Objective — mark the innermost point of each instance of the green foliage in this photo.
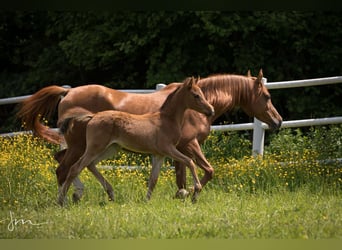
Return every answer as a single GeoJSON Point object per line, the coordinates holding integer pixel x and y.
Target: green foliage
{"type": "Point", "coordinates": [134, 49]}
{"type": "Point", "coordinates": [226, 145]}
{"type": "Point", "coordinates": [325, 141]}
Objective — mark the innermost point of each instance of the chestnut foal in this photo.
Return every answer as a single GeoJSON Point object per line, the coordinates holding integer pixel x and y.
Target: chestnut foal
{"type": "Point", "coordinates": [156, 133]}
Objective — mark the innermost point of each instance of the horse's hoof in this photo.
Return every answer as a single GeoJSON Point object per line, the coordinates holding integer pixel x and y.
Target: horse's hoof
{"type": "Point", "coordinates": [182, 194]}
{"type": "Point", "coordinates": [75, 198]}
{"type": "Point", "coordinates": [110, 196]}
{"type": "Point", "coordinates": [194, 199]}
{"type": "Point", "coordinates": [61, 201]}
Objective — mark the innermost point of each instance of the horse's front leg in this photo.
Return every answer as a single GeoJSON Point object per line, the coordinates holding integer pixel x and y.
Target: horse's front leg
{"type": "Point", "coordinates": [180, 169]}
{"type": "Point", "coordinates": [157, 161]}
{"type": "Point", "coordinates": [178, 156]}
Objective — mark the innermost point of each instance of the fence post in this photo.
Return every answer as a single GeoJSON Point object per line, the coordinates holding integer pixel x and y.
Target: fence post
{"type": "Point", "coordinates": [258, 134]}
{"type": "Point", "coordinates": [160, 86]}
{"type": "Point", "coordinates": [258, 138]}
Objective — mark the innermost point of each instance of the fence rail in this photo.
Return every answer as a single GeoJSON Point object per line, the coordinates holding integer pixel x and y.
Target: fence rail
{"type": "Point", "coordinates": [257, 126]}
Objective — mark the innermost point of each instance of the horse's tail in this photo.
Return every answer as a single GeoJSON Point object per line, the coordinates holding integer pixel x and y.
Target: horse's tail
{"type": "Point", "coordinates": [41, 105]}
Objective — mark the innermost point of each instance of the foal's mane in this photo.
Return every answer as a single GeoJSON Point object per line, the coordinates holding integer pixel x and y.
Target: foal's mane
{"type": "Point", "coordinates": [169, 97]}
{"type": "Point", "coordinates": [218, 88]}
{"type": "Point", "coordinates": [172, 94]}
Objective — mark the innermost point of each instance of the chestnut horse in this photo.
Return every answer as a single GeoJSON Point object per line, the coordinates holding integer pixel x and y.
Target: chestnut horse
{"type": "Point", "coordinates": [224, 92]}
{"type": "Point", "coordinates": [157, 133]}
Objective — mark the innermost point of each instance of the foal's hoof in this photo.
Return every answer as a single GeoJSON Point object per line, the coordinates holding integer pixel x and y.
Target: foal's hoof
{"type": "Point", "coordinates": [182, 194]}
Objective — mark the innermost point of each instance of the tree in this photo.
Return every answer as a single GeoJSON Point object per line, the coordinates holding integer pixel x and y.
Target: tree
{"type": "Point", "coordinates": [132, 49]}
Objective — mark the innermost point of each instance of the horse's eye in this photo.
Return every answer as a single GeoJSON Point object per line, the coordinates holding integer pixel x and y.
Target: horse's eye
{"type": "Point", "coordinates": [196, 96]}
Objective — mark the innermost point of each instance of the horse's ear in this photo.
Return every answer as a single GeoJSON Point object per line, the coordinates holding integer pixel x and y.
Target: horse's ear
{"type": "Point", "coordinates": [259, 78]}
{"type": "Point", "coordinates": [249, 73]}
{"type": "Point", "coordinates": [189, 81]}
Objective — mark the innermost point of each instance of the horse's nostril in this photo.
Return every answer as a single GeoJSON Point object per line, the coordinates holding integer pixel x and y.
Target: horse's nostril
{"type": "Point", "coordinates": [211, 112]}
{"type": "Point", "coordinates": [279, 124]}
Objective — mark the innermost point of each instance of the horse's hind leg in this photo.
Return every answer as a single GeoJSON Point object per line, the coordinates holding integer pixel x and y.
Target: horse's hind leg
{"type": "Point", "coordinates": [157, 161]}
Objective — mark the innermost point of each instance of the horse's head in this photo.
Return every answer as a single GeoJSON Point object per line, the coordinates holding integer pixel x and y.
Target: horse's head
{"type": "Point", "coordinates": [196, 99]}
{"type": "Point", "coordinates": [261, 105]}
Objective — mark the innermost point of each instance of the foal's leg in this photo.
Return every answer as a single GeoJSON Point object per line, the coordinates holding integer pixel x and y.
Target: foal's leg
{"type": "Point", "coordinates": [71, 155]}
{"type": "Point", "coordinates": [110, 151]}
{"type": "Point", "coordinates": [75, 170]}
{"type": "Point", "coordinates": [79, 186]}
{"type": "Point", "coordinates": [67, 157]}
{"type": "Point", "coordinates": [201, 161]}
{"type": "Point", "coordinates": [73, 173]}
{"type": "Point", "coordinates": [178, 156]}
{"type": "Point", "coordinates": [157, 161]}
{"type": "Point", "coordinates": [75, 140]}
{"type": "Point", "coordinates": [193, 150]}
{"type": "Point", "coordinates": [105, 184]}
{"type": "Point", "coordinates": [66, 160]}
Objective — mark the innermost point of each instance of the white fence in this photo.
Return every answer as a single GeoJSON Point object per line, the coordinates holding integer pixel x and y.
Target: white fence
{"type": "Point", "coordinates": [257, 126]}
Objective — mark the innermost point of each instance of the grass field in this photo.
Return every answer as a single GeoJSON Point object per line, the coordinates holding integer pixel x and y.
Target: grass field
{"type": "Point", "coordinates": [249, 198]}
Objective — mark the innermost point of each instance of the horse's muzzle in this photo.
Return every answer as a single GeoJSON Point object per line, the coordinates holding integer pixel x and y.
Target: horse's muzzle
{"type": "Point", "coordinates": [211, 112]}
{"type": "Point", "coordinates": [276, 125]}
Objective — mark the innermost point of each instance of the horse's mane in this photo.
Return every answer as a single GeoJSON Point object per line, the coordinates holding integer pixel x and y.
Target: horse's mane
{"type": "Point", "coordinates": [218, 87]}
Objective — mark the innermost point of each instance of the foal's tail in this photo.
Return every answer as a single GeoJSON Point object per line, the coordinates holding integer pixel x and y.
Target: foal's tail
{"type": "Point", "coordinates": [41, 105]}
{"type": "Point", "coordinates": [68, 123]}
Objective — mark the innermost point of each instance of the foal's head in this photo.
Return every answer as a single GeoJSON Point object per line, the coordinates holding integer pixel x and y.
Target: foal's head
{"type": "Point", "coordinates": [260, 105]}
{"type": "Point", "coordinates": [195, 98]}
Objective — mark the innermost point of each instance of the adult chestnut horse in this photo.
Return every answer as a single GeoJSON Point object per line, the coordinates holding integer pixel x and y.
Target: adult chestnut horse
{"type": "Point", "coordinates": [156, 133]}
{"type": "Point", "coordinates": [224, 92]}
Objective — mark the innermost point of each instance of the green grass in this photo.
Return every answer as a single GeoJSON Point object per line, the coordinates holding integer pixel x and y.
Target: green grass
{"type": "Point", "coordinates": [249, 198]}
{"type": "Point", "coordinates": [218, 215]}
